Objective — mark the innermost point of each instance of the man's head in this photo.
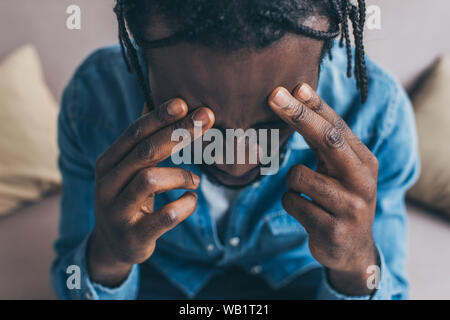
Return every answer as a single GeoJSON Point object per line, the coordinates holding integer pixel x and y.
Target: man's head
{"type": "Point", "coordinates": [230, 55]}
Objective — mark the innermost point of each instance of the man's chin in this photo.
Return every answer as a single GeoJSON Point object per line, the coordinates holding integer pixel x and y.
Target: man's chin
{"type": "Point", "coordinates": [235, 182]}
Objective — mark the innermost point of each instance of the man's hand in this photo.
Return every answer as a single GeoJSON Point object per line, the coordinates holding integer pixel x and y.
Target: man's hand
{"type": "Point", "coordinates": [343, 190]}
{"type": "Point", "coordinates": [126, 181]}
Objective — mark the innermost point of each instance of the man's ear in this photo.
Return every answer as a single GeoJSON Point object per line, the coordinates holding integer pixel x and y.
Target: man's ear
{"type": "Point", "coordinates": [145, 109]}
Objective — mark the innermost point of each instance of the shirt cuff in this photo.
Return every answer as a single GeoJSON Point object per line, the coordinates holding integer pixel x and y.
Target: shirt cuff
{"type": "Point", "coordinates": [384, 290]}
{"type": "Point", "coordinates": [90, 290]}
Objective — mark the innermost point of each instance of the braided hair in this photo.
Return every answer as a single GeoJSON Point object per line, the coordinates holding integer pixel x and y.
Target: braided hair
{"type": "Point", "coordinates": [234, 24]}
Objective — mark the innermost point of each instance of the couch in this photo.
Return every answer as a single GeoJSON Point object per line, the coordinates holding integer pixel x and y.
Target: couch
{"type": "Point", "coordinates": [412, 36]}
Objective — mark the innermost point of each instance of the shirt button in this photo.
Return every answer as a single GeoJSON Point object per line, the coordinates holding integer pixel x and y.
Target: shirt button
{"type": "Point", "coordinates": [256, 184]}
{"type": "Point", "coordinates": [256, 269]}
{"type": "Point", "coordinates": [235, 241]}
{"type": "Point", "coordinates": [210, 247]}
{"type": "Point", "coordinates": [88, 295]}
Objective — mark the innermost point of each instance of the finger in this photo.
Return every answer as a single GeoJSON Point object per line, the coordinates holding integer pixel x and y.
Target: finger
{"type": "Point", "coordinates": [158, 147]}
{"type": "Point", "coordinates": [315, 129]}
{"type": "Point", "coordinates": [151, 181]}
{"type": "Point", "coordinates": [313, 101]}
{"type": "Point", "coordinates": [326, 192]}
{"type": "Point", "coordinates": [164, 115]}
{"type": "Point", "coordinates": [152, 226]}
{"type": "Point", "coordinates": [145, 109]}
{"type": "Point", "coordinates": [312, 218]}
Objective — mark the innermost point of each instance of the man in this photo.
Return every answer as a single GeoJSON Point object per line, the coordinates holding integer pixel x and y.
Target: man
{"type": "Point", "coordinates": [329, 224]}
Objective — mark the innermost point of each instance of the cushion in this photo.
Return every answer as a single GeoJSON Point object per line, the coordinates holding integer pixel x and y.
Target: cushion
{"type": "Point", "coordinates": [432, 107]}
{"type": "Point", "coordinates": [28, 126]}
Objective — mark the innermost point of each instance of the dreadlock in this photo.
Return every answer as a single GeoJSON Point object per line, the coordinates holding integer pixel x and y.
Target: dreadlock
{"type": "Point", "coordinates": [233, 24]}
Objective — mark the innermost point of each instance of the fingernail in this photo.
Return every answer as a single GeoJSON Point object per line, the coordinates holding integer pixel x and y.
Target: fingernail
{"type": "Point", "coordinates": [191, 193]}
{"type": "Point", "coordinates": [305, 93]}
{"type": "Point", "coordinates": [195, 179]}
{"type": "Point", "coordinates": [282, 98]}
{"type": "Point", "coordinates": [174, 108]}
{"type": "Point", "coordinates": [200, 118]}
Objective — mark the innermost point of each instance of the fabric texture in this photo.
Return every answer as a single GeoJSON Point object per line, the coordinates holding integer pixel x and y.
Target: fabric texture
{"type": "Point", "coordinates": [260, 237]}
{"type": "Point", "coordinates": [432, 108]}
{"type": "Point", "coordinates": [219, 199]}
{"type": "Point", "coordinates": [28, 119]}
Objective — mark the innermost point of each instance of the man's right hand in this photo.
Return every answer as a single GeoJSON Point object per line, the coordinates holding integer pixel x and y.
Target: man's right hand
{"type": "Point", "coordinates": [126, 182]}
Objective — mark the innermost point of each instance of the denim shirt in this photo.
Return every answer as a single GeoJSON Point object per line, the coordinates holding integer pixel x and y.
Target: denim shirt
{"type": "Point", "coordinates": [103, 99]}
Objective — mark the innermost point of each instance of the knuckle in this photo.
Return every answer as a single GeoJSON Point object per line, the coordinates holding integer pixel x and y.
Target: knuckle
{"type": "Point", "coordinates": [373, 162]}
{"type": "Point", "coordinates": [322, 187]}
{"type": "Point", "coordinates": [334, 138]}
{"type": "Point", "coordinates": [147, 179]}
{"type": "Point", "coordinates": [295, 175]}
{"type": "Point", "coordinates": [146, 150]}
{"type": "Point", "coordinates": [368, 188]}
{"type": "Point", "coordinates": [340, 124]}
{"type": "Point", "coordinates": [168, 218]}
{"type": "Point", "coordinates": [356, 206]}
{"type": "Point", "coordinates": [317, 104]}
{"type": "Point", "coordinates": [135, 132]}
{"type": "Point", "coordinates": [298, 111]}
{"type": "Point", "coordinates": [372, 186]}
{"type": "Point", "coordinates": [187, 178]}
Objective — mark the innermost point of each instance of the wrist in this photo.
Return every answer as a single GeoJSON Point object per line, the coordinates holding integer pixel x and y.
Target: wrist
{"type": "Point", "coordinates": [353, 280]}
{"type": "Point", "coordinates": [103, 267]}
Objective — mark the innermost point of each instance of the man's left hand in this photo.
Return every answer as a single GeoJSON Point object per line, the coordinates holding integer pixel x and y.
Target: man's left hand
{"type": "Point", "coordinates": [342, 192]}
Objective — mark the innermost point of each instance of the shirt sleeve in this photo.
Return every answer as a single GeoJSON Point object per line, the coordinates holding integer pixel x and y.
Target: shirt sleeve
{"type": "Point", "coordinates": [70, 277]}
{"type": "Point", "coordinates": [383, 291]}
{"type": "Point", "coordinates": [399, 167]}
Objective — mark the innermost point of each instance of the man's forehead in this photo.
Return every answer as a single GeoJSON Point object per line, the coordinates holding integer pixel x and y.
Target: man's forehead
{"type": "Point", "coordinates": [242, 74]}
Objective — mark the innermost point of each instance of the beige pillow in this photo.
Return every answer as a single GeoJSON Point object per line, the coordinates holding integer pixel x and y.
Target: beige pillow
{"type": "Point", "coordinates": [28, 126]}
{"type": "Point", "coordinates": [432, 108]}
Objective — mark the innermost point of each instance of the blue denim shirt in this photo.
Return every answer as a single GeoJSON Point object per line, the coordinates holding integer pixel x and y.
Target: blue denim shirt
{"type": "Point", "coordinates": [103, 99]}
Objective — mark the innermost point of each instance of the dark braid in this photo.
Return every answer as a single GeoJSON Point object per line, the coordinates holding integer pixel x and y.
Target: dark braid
{"type": "Point", "coordinates": [260, 23]}
{"type": "Point", "coordinates": [361, 61]}
{"type": "Point", "coordinates": [130, 54]}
